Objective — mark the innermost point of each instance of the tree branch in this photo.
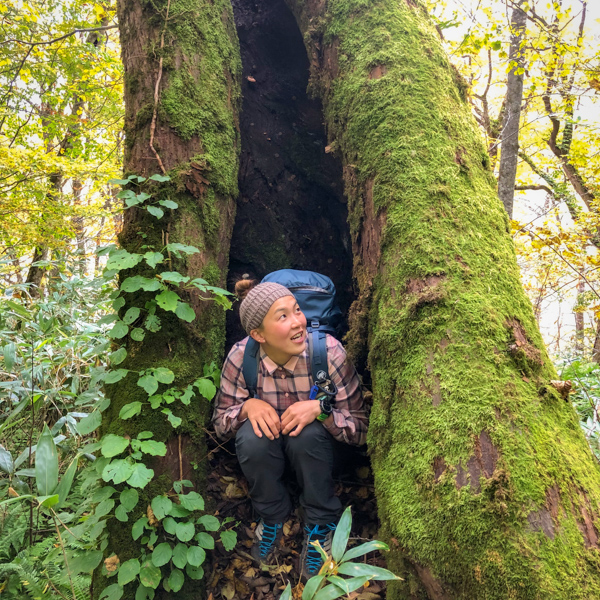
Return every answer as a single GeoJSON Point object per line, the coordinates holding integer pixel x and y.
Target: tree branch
{"type": "Point", "coordinates": [58, 39]}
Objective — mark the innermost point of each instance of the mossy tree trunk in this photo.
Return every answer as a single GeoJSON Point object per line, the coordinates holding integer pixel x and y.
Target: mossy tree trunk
{"type": "Point", "coordinates": [485, 484]}
{"type": "Point", "coordinates": [196, 137]}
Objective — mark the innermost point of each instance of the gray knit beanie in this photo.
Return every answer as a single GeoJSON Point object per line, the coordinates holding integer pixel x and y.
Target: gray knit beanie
{"type": "Point", "coordinates": [258, 301]}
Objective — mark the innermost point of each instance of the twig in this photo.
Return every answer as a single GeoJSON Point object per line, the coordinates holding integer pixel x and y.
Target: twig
{"type": "Point", "coordinates": [64, 554]}
{"type": "Point", "coordinates": [58, 39]}
{"type": "Point", "coordinates": [29, 444]}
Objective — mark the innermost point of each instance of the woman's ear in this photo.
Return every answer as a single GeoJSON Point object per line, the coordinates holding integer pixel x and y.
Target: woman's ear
{"type": "Point", "coordinates": [256, 335]}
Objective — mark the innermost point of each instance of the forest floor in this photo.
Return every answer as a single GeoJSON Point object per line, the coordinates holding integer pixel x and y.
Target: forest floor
{"type": "Point", "coordinates": [234, 575]}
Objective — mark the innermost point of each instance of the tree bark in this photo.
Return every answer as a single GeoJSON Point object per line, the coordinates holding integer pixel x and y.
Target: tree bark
{"type": "Point", "coordinates": [485, 483]}
{"type": "Point", "coordinates": [512, 115]}
{"type": "Point", "coordinates": [195, 138]}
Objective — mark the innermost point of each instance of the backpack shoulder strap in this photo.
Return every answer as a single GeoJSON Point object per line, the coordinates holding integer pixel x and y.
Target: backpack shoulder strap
{"type": "Point", "coordinates": [250, 366]}
{"type": "Point", "coordinates": [317, 351]}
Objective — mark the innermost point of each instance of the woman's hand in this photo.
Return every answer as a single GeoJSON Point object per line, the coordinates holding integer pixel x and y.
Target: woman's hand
{"type": "Point", "coordinates": [262, 416]}
{"type": "Point", "coordinates": [298, 416]}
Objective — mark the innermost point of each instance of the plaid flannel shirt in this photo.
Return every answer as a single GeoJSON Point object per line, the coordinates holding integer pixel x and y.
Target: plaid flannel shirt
{"type": "Point", "coordinates": [282, 386]}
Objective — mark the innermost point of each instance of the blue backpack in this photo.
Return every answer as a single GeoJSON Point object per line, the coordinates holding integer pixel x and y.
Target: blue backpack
{"type": "Point", "coordinates": [315, 294]}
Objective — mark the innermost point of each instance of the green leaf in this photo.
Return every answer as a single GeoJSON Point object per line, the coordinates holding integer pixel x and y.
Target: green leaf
{"type": "Point", "coordinates": [195, 556]}
{"type": "Point", "coordinates": [150, 575]}
{"type": "Point", "coordinates": [145, 435]}
{"type": "Point", "coordinates": [168, 204]}
{"type": "Point", "coordinates": [173, 277]}
{"type": "Point", "coordinates": [136, 199]}
{"type": "Point", "coordinates": [121, 259]}
{"type": "Point", "coordinates": [128, 571]}
{"type": "Point", "coordinates": [144, 593]}
{"type": "Point", "coordinates": [48, 501]}
{"type": "Point", "coordinates": [10, 352]}
{"type": "Point", "coordinates": [206, 388]}
{"type": "Point", "coordinates": [148, 383]}
{"type": "Point", "coordinates": [229, 539]}
{"type": "Point", "coordinates": [118, 356]}
{"type": "Point", "coordinates": [155, 211]}
{"type": "Point", "coordinates": [167, 300]}
{"type": "Point", "coordinates": [161, 506]}
{"type": "Point", "coordinates": [170, 525]}
{"type": "Point", "coordinates": [138, 527]}
{"type": "Point", "coordinates": [115, 376]}
{"type": "Point", "coordinates": [117, 471]}
{"type": "Point", "coordinates": [174, 420]}
{"type": "Point", "coordinates": [287, 593]}
{"type": "Point", "coordinates": [187, 395]}
{"type": "Point", "coordinates": [159, 177]}
{"type": "Point", "coordinates": [162, 554]}
{"type": "Point", "coordinates": [177, 249]}
{"type": "Point", "coordinates": [195, 573]}
{"type": "Point", "coordinates": [117, 304]}
{"type": "Point", "coordinates": [341, 535]}
{"type": "Point", "coordinates": [46, 463]}
{"type": "Point", "coordinates": [176, 580]}
{"type": "Point", "coordinates": [311, 587]}
{"type": "Point", "coordinates": [185, 312]}
{"type": "Point", "coordinates": [66, 481]}
{"type": "Point", "coordinates": [362, 569]}
{"type": "Point", "coordinates": [113, 444]}
{"type": "Point", "coordinates": [185, 531]}
{"type": "Point", "coordinates": [364, 549]}
{"type": "Point", "coordinates": [123, 194]}
{"type": "Point", "coordinates": [205, 540]}
{"type": "Point", "coordinates": [121, 514]}
{"type": "Point", "coordinates": [137, 334]}
{"type": "Point", "coordinates": [129, 499]}
{"type": "Point", "coordinates": [141, 476]}
{"type": "Point", "coordinates": [209, 522]}
{"type": "Point", "coordinates": [180, 555]}
{"type": "Point", "coordinates": [192, 501]}
{"type": "Point", "coordinates": [130, 410]}
{"type": "Point", "coordinates": [119, 181]}
{"type": "Point", "coordinates": [6, 461]}
{"type": "Point", "coordinates": [85, 562]}
{"type": "Point", "coordinates": [152, 323]}
{"type": "Point", "coordinates": [119, 330]}
{"type": "Point", "coordinates": [137, 282]}
{"type": "Point", "coordinates": [329, 592]}
{"type": "Point", "coordinates": [131, 315]}
{"type": "Point", "coordinates": [153, 258]}
{"type": "Point", "coordinates": [104, 508]}
{"type": "Point", "coordinates": [348, 585]}
{"type": "Point", "coordinates": [112, 592]}
{"type": "Point", "coordinates": [153, 448]}
{"type": "Point", "coordinates": [164, 375]}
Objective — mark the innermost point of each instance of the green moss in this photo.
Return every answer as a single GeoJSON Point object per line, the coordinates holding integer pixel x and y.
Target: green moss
{"type": "Point", "coordinates": [447, 305]}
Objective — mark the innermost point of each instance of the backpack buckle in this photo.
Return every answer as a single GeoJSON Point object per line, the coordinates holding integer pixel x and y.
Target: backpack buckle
{"type": "Point", "coordinates": [314, 324]}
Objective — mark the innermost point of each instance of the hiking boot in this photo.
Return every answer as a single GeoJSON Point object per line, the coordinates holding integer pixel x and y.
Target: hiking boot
{"type": "Point", "coordinates": [266, 541]}
{"type": "Point", "coordinates": [311, 560]}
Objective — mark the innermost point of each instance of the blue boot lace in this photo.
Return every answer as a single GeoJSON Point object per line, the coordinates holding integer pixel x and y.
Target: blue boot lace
{"type": "Point", "coordinates": [269, 535]}
{"type": "Point", "coordinates": [318, 533]}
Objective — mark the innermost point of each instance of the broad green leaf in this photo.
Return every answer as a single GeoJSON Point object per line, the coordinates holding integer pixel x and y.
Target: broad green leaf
{"type": "Point", "coordinates": [150, 575]}
{"type": "Point", "coordinates": [85, 562]}
{"type": "Point", "coordinates": [362, 569]}
{"type": "Point", "coordinates": [119, 330]}
{"type": "Point", "coordinates": [121, 259]}
{"type": "Point", "coordinates": [144, 593]}
{"type": "Point", "coordinates": [185, 531]}
{"type": "Point", "coordinates": [48, 501]}
{"type": "Point", "coordinates": [121, 514]}
{"type": "Point", "coordinates": [136, 199]}
{"type": "Point", "coordinates": [117, 304]}
{"type": "Point", "coordinates": [152, 323]}
{"type": "Point", "coordinates": [287, 593]}
{"type": "Point", "coordinates": [137, 282]}
{"type": "Point", "coordinates": [160, 178]}
{"type": "Point", "coordinates": [177, 249]}
{"type": "Point", "coordinates": [20, 310]}
{"type": "Point", "coordinates": [46, 463]}
{"type": "Point", "coordinates": [138, 527]}
{"type": "Point", "coordinates": [153, 258]}
{"type": "Point", "coordinates": [90, 423]}
{"type": "Point", "coordinates": [195, 573]}
{"type": "Point", "coordinates": [129, 499]}
{"type": "Point", "coordinates": [130, 410]}
{"type": "Point", "coordinates": [137, 334]}
{"type": "Point", "coordinates": [210, 522]}
{"type": "Point", "coordinates": [113, 444]}
{"type": "Point", "coordinates": [148, 383]}
{"type": "Point", "coordinates": [164, 375]}
{"type": "Point", "coordinates": [161, 506]}
{"type": "Point", "coordinates": [123, 194]}
{"type": "Point", "coordinates": [341, 535]}
{"type": "Point", "coordinates": [173, 277]}
{"type": "Point", "coordinates": [329, 592]}
{"type": "Point", "coordinates": [206, 387]}
{"type": "Point", "coordinates": [6, 461]}
{"type": "Point", "coordinates": [348, 585]}
{"type": "Point", "coordinates": [229, 539]}
{"type": "Point", "coordinates": [187, 396]}
{"type": "Point", "coordinates": [185, 312]}
{"type": "Point", "coordinates": [66, 481]}
{"type": "Point", "coordinates": [155, 211]}
{"type": "Point", "coordinates": [104, 508]}
{"type": "Point", "coordinates": [131, 315]}
{"type": "Point", "coordinates": [141, 476]}
{"type": "Point", "coordinates": [118, 181]}
{"type": "Point", "coordinates": [176, 580]}
{"type": "Point", "coordinates": [115, 376]}
{"type": "Point", "coordinates": [167, 300]}
{"type": "Point", "coordinates": [128, 571]}
{"type": "Point", "coordinates": [179, 512]}
{"type": "Point", "coordinates": [195, 556]}
{"type": "Point", "coordinates": [174, 420]}
{"type": "Point", "coordinates": [104, 493]}
{"type": "Point", "coordinates": [118, 356]}
{"type": "Point", "coordinates": [192, 501]}
{"type": "Point", "coordinates": [112, 592]}
{"type": "Point", "coordinates": [168, 204]}
{"type": "Point", "coordinates": [311, 587]}
{"type": "Point", "coordinates": [153, 448]}
{"type": "Point", "coordinates": [10, 352]}
{"type": "Point", "coordinates": [170, 525]}
{"type": "Point", "coordinates": [117, 471]}
{"type": "Point", "coordinates": [205, 540]}
{"type": "Point", "coordinates": [180, 555]}
{"type": "Point", "coordinates": [364, 549]}
{"type": "Point", "coordinates": [162, 554]}
{"type": "Point", "coordinates": [145, 435]}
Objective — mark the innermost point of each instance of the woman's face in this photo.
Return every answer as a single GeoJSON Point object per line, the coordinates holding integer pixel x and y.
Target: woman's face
{"type": "Point", "coordinates": [282, 333]}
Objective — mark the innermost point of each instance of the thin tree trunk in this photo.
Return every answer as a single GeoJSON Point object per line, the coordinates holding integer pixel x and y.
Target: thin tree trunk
{"type": "Point", "coordinates": [512, 114]}
{"type": "Point", "coordinates": [579, 323]}
{"type": "Point", "coordinates": [485, 484]}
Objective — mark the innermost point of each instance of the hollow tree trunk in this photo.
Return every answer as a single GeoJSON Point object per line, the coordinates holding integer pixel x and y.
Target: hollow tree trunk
{"type": "Point", "coordinates": [196, 139]}
{"type": "Point", "coordinates": [486, 486]}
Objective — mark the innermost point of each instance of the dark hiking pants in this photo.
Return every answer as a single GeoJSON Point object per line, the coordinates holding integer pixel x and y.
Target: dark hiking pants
{"type": "Point", "coordinates": [311, 455]}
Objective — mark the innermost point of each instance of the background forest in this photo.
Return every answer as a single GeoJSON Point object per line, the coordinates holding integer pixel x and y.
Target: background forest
{"type": "Point", "coordinates": [62, 207]}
